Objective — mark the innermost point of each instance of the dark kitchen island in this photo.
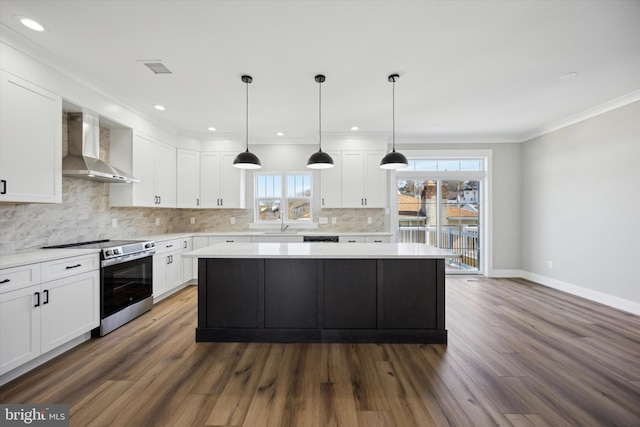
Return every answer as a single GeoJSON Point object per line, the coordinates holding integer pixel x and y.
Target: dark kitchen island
{"type": "Point", "coordinates": [318, 292]}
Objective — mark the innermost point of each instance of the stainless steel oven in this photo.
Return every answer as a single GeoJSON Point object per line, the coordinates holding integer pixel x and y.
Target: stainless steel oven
{"type": "Point", "coordinates": [126, 280]}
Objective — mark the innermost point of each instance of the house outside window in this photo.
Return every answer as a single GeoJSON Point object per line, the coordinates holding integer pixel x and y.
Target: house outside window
{"type": "Point", "coordinates": [283, 197]}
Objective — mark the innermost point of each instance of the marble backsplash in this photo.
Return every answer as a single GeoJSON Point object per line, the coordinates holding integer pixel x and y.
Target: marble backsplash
{"type": "Point", "coordinates": [85, 214]}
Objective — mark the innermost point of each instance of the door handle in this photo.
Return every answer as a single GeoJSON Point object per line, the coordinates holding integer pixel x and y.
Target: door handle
{"type": "Point", "coordinates": [46, 297]}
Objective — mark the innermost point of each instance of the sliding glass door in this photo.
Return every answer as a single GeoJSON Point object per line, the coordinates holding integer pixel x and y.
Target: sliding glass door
{"type": "Point", "coordinates": [444, 213]}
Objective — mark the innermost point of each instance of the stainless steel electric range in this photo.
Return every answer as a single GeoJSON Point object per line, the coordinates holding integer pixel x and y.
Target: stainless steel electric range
{"type": "Point", "coordinates": [126, 280]}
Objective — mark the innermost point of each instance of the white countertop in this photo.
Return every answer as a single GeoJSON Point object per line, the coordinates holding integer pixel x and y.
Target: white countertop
{"type": "Point", "coordinates": [163, 237]}
{"type": "Point", "coordinates": [320, 250]}
{"type": "Point", "coordinates": [41, 255]}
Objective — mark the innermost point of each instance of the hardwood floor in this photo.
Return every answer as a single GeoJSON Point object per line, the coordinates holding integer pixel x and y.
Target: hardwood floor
{"type": "Point", "coordinates": [519, 354]}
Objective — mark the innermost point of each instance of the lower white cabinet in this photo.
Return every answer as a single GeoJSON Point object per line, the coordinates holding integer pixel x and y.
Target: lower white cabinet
{"type": "Point", "coordinates": [38, 317]}
{"type": "Point", "coordinates": [187, 263]}
{"type": "Point", "coordinates": [167, 267]}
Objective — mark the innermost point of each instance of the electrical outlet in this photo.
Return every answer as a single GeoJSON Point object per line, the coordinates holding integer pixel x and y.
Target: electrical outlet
{"type": "Point", "coordinates": [193, 220]}
{"type": "Point", "coordinates": [550, 264]}
{"type": "Point", "coordinates": [369, 220]}
{"type": "Point", "coordinates": [232, 220]}
{"type": "Point", "coordinates": [157, 221]}
{"type": "Point", "coordinates": [334, 220]}
{"type": "Point", "coordinates": [323, 220]}
{"type": "Point", "coordinates": [114, 223]}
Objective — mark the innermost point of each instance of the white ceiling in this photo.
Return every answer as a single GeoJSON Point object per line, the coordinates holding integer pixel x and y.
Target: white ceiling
{"type": "Point", "coordinates": [469, 70]}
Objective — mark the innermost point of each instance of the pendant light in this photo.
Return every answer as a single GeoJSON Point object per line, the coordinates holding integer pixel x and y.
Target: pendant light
{"type": "Point", "coordinates": [320, 159]}
{"type": "Point", "coordinates": [394, 160]}
{"type": "Point", "coordinates": [246, 159]}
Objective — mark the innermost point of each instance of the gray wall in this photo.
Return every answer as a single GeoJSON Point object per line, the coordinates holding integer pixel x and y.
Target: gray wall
{"type": "Point", "coordinates": [581, 205]}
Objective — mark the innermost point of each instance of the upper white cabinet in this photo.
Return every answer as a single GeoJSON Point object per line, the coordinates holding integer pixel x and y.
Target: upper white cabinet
{"type": "Point", "coordinates": [364, 183]}
{"type": "Point", "coordinates": [30, 142]}
{"type": "Point", "coordinates": [221, 185]}
{"type": "Point", "coordinates": [187, 178]}
{"type": "Point", "coordinates": [152, 162]}
{"type": "Point", "coordinates": [331, 184]}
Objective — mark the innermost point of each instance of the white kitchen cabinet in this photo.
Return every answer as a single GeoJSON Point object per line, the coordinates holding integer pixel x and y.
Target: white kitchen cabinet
{"type": "Point", "coordinates": [187, 263]}
{"type": "Point", "coordinates": [221, 185]}
{"type": "Point", "coordinates": [19, 327]}
{"type": "Point", "coordinates": [30, 142]}
{"type": "Point", "coordinates": [377, 239]}
{"type": "Point", "coordinates": [364, 183]}
{"type": "Point", "coordinates": [331, 184]}
{"type": "Point", "coordinates": [277, 239]}
{"type": "Point", "coordinates": [150, 161]}
{"type": "Point", "coordinates": [45, 305]}
{"type": "Point", "coordinates": [351, 239]}
{"type": "Point", "coordinates": [167, 268]}
{"type": "Point", "coordinates": [187, 178]}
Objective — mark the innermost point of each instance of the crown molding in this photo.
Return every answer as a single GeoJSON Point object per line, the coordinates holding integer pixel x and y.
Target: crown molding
{"type": "Point", "coordinates": [583, 115]}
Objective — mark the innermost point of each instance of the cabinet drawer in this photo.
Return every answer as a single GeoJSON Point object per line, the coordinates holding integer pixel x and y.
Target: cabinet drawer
{"type": "Point", "coordinates": [351, 239]}
{"type": "Point", "coordinates": [167, 246]}
{"type": "Point", "coordinates": [372, 239]}
{"type": "Point", "coordinates": [15, 278]}
{"type": "Point", "coordinates": [229, 239]}
{"type": "Point", "coordinates": [66, 267]}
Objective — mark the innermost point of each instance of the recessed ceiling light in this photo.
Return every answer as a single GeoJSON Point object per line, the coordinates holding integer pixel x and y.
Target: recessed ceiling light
{"type": "Point", "coordinates": [568, 76]}
{"type": "Point", "coordinates": [211, 128]}
{"type": "Point", "coordinates": [159, 107]}
{"type": "Point", "coordinates": [280, 134]}
{"type": "Point", "coordinates": [355, 128]}
{"type": "Point", "coordinates": [32, 24]}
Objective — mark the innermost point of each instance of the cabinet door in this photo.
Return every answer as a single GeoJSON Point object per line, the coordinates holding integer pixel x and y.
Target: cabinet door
{"type": "Point", "coordinates": [375, 183]}
{"type": "Point", "coordinates": [160, 274]}
{"type": "Point", "coordinates": [19, 327]}
{"type": "Point", "coordinates": [144, 192]}
{"type": "Point", "coordinates": [232, 183]}
{"type": "Point", "coordinates": [174, 270]}
{"type": "Point", "coordinates": [352, 179]}
{"type": "Point", "coordinates": [187, 263]}
{"type": "Point", "coordinates": [30, 142]}
{"type": "Point", "coordinates": [210, 179]}
{"type": "Point", "coordinates": [198, 242]}
{"type": "Point", "coordinates": [165, 174]}
{"type": "Point", "coordinates": [331, 184]}
{"type": "Point", "coordinates": [187, 179]}
{"type": "Point", "coordinates": [70, 307]}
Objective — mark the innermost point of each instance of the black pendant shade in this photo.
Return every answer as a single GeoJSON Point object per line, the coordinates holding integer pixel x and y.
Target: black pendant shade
{"type": "Point", "coordinates": [246, 159]}
{"type": "Point", "coordinates": [320, 159]}
{"type": "Point", "coordinates": [394, 160]}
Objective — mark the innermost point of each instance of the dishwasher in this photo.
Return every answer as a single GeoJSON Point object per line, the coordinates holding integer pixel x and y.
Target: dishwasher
{"type": "Point", "coordinates": [321, 239]}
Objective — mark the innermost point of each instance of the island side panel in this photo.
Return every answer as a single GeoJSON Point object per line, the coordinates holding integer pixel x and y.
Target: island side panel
{"type": "Point", "coordinates": [232, 293]}
{"type": "Point", "coordinates": [291, 293]}
{"type": "Point", "coordinates": [350, 300]}
{"type": "Point", "coordinates": [410, 293]}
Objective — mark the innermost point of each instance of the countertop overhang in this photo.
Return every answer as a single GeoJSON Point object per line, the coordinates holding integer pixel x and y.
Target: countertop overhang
{"type": "Point", "coordinates": [321, 251]}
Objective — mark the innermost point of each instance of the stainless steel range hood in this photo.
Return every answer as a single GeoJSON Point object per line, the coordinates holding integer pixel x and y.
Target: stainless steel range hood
{"type": "Point", "coordinates": [84, 152]}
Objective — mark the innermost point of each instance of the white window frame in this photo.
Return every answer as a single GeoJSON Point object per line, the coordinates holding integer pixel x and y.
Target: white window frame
{"type": "Point", "coordinates": [284, 199]}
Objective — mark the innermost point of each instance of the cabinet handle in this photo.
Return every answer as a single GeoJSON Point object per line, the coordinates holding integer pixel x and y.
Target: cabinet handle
{"type": "Point", "coordinates": [221, 202]}
{"type": "Point", "coordinates": [4, 186]}
{"type": "Point", "coordinates": [159, 200]}
{"type": "Point", "coordinates": [69, 267]}
{"type": "Point", "coordinates": [229, 241]}
{"type": "Point", "coordinates": [168, 259]}
{"type": "Point", "coordinates": [185, 244]}
{"type": "Point", "coordinates": [365, 201]}
{"type": "Point", "coordinates": [5, 281]}
{"type": "Point", "coordinates": [169, 246]}
{"type": "Point", "coordinates": [323, 201]}
{"type": "Point", "coordinates": [197, 202]}
{"type": "Point", "coordinates": [46, 297]}
{"type": "Point", "coordinates": [351, 241]}
{"type": "Point", "coordinates": [37, 294]}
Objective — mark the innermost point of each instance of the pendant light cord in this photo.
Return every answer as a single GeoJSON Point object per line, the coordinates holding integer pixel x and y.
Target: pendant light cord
{"type": "Point", "coordinates": [393, 113]}
{"type": "Point", "coordinates": [247, 124]}
{"type": "Point", "coordinates": [320, 116]}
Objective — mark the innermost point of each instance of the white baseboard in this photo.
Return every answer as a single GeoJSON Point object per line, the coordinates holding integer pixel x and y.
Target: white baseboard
{"type": "Point", "coordinates": [600, 297]}
{"type": "Point", "coordinates": [579, 291]}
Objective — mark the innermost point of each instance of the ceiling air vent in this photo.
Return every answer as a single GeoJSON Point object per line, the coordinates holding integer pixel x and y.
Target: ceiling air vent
{"type": "Point", "coordinates": [157, 67]}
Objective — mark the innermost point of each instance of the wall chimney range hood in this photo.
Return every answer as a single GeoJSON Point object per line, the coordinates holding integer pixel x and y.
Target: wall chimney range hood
{"type": "Point", "coordinates": [84, 151]}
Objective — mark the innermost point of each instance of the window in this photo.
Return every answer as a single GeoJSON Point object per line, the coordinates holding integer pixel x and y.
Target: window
{"type": "Point", "coordinates": [283, 197]}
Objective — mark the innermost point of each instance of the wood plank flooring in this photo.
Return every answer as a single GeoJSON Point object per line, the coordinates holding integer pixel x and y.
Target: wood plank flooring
{"type": "Point", "coordinates": [519, 354]}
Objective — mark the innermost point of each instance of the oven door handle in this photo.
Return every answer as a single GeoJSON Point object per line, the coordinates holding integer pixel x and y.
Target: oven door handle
{"type": "Point", "coordinates": [125, 258]}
